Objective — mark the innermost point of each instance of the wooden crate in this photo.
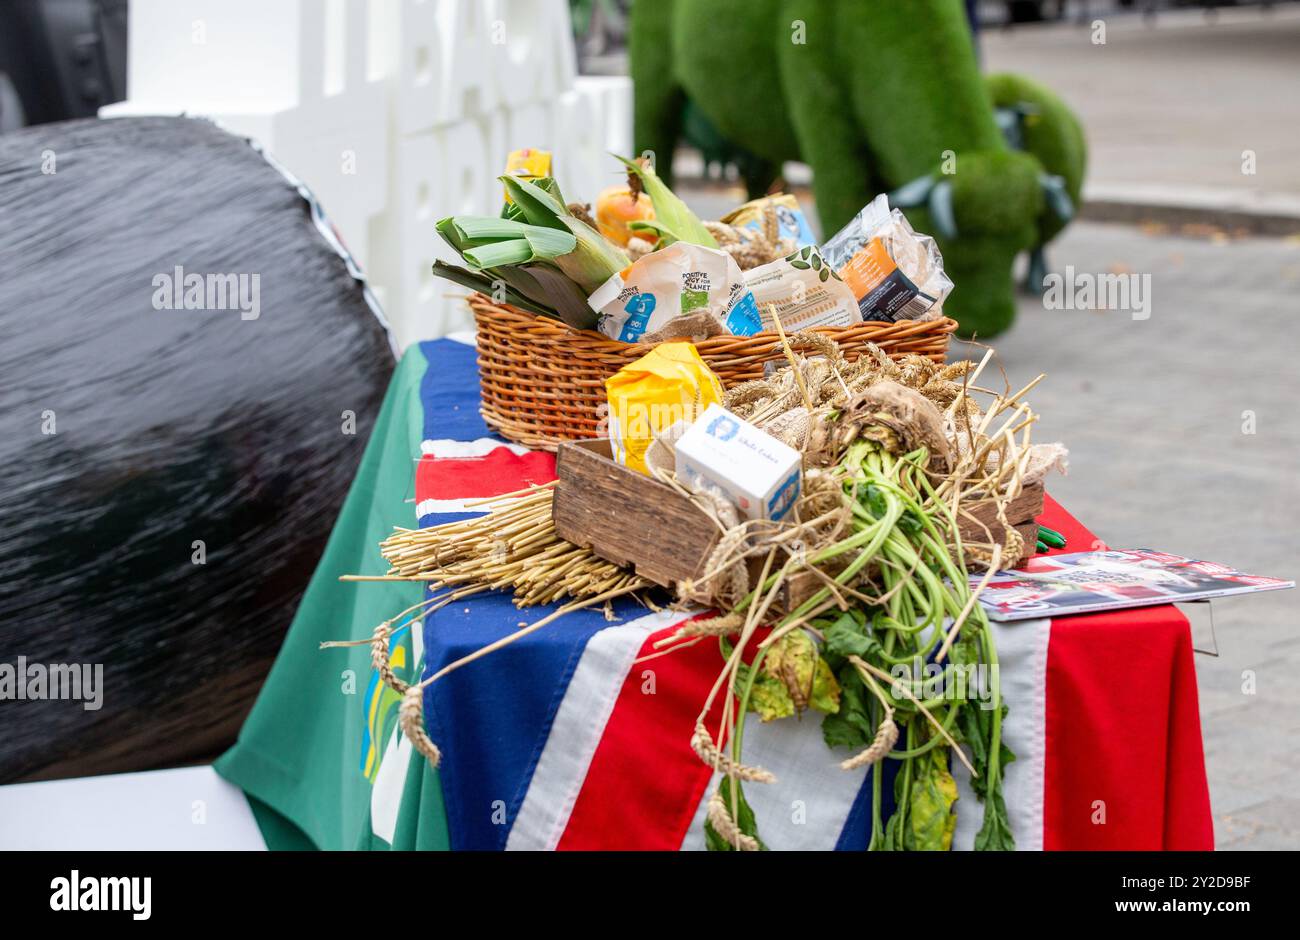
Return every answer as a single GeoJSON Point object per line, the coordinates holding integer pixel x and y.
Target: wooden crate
{"type": "Point", "coordinates": [1022, 512]}
{"type": "Point", "coordinates": [637, 522]}
{"type": "Point", "coordinates": [628, 518]}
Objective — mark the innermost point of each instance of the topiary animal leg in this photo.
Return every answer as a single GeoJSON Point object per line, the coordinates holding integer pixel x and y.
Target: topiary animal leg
{"type": "Point", "coordinates": [1037, 271]}
{"type": "Point", "coordinates": [758, 174]}
{"type": "Point", "coordinates": [983, 301]}
{"type": "Point", "coordinates": [659, 101]}
{"type": "Point", "coordinates": [828, 136]}
{"type": "Point", "coordinates": [997, 202]}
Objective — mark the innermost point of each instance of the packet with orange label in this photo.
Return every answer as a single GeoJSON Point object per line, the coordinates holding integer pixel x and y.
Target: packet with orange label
{"type": "Point", "coordinates": [894, 273]}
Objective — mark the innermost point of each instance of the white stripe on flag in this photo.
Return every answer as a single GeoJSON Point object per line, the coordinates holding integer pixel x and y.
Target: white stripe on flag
{"type": "Point", "coordinates": [579, 723]}
{"type": "Point", "coordinates": [1022, 667]}
{"type": "Point", "coordinates": [449, 449]}
{"type": "Point", "coordinates": [807, 806]}
{"type": "Point", "coordinates": [430, 506]}
{"type": "Point", "coordinates": [810, 802]}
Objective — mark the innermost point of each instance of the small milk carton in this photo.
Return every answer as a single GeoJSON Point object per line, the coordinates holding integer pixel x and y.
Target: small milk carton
{"type": "Point", "coordinates": [752, 469]}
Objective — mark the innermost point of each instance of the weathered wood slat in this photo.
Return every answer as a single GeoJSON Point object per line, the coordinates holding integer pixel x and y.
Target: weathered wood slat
{"type": "Point", "coordinates": [1022, 510]}
{"type": "Point", "coordinates": [635, 521]}
{"type": "Point", "coordinates": [628, 518]}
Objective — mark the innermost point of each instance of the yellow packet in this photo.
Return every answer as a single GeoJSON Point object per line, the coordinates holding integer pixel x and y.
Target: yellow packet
{"type": "Point", "coordinates": [791, 225]}
{"type": "Point", "coordinates": [671, 383]}
{"type": "Point", "coordinates": [528, 164]}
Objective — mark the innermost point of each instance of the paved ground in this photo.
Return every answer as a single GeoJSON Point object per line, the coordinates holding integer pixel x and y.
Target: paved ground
{"type": "Point", "coordinates": [1153, 414]}
{"type": "Point", "coordinates": [1152, 411]}
{"type": "Point", "coordinates": [1172, 105]}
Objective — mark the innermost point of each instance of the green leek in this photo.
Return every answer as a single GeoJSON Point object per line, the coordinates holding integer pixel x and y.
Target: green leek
{"type": "Point", "coordinates": [593, 260]}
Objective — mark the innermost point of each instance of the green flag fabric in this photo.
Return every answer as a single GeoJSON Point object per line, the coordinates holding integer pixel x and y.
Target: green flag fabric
{"type": "Point", "coordinates": [320, 757]}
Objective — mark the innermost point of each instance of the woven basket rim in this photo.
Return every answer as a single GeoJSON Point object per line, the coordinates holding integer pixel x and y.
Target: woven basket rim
{"type": "Point", "coordinates": [543, 381]}
{"type": "Point", "coordinates": [558, 328]}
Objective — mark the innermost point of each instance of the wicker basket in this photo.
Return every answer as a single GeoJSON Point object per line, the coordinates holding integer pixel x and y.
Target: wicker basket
{"type": "Point", "coordinates": [544, 383]}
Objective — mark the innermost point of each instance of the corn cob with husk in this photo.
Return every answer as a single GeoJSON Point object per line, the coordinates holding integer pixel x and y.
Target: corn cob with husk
{"type": "Point", "coordinates": [673, 221]}
{"type": "Point", "coordinates": [515, 261]}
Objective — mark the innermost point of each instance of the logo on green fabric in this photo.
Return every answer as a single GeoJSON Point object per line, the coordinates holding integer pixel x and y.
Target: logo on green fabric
{"type": "Point", "coordinates": [382, 700]}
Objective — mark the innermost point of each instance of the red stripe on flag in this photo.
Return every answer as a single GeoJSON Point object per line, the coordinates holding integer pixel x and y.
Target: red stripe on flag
{"type": "Point", "coordinates": [501, 471]}
{"type": "Point", "coordinates": [645, 783]}
{"type": "Point", "coordinates": [1124, 764]}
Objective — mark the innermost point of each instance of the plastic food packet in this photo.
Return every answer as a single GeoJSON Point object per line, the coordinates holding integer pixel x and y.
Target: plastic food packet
{"type": "Point", "coordinates": [805, 290]}
{"type": "Point", "coordinates": [667, 385]}
{"type": "Point", "coordinates": [680, 280]}
{"type": "Point", "coordinates": [894, 273]}
{"type": "Point", "coordinates": [791, 222]}
{"type": "Point", "coordinates": [528, 164]}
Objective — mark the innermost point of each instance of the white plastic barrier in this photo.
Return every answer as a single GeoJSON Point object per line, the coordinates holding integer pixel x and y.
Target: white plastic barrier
{"type": "Point", "coordinates": [394, 112]}
{"type": "Point", "coordinates": [160, 810]}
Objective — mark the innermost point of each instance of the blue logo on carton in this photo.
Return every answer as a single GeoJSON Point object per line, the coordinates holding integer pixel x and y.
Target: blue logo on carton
{"type": "Point", "coordinates": [723, 427]}
{"type": "Point", "coordinates": [784, 497]}
{"type": "Point", "coordinates": [638, 309]}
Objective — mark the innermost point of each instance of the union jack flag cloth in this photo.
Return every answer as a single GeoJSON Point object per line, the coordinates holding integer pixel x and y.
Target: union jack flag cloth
{"type": "Point", "coordinates": [577, 736]}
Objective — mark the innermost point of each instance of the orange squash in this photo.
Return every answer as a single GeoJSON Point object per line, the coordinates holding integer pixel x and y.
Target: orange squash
{"type": "Point", "coordinates": [616, 207]}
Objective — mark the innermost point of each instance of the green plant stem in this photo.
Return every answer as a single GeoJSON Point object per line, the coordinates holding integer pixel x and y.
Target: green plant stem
{"type": "Point", "coordinates": [935, 740]}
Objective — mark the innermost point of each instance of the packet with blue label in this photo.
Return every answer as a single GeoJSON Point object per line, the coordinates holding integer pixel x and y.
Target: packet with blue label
{"type": "Point", "coordinates": [777, 216]}
{"type": "Point", "coordinates": [805, 292]}
{"type": "Point", "coordinates": [682, 280]}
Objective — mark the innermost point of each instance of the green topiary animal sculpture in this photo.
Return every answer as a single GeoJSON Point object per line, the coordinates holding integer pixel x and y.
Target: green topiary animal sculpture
{"type": "Point", "coordinates": [876, 96]}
